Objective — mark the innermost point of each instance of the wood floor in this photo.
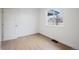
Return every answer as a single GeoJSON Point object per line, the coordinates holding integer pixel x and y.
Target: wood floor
{"type": "Point", "coordinates": [33, 42]}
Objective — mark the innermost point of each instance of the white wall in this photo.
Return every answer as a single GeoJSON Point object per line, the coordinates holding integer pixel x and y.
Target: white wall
{"type": "Point", "coordinates": [68, 33]}
{"type": "Point", "coordinates": [20, 22]}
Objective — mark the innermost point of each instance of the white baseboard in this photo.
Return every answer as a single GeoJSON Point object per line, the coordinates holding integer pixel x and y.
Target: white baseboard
{"type": "Point", "coordinates": [20, 37]}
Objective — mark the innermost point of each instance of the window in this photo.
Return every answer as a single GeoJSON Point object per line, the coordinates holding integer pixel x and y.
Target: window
{"type": "Point", "coordinates": [55, 16]}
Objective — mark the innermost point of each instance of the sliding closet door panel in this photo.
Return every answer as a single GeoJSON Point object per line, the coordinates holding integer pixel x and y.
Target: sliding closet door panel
{"type": "Point", "coordinates": [9, 24]}
{"type": "Point", "coordinates": [0, 27]}
{"type": "Point", "coordinates": [0, 24]}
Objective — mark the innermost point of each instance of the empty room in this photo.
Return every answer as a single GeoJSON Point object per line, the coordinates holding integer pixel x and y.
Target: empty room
{"type": "Point", "coordinates": [39, 28]}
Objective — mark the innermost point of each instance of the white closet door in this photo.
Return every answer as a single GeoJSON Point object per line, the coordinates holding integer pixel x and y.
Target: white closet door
{"type": "Point", "coordinates": [9, 24]}
{"type": "Point", "coordinates": [21, 22]}
{"type": "Point", "coordinates": [0, 24]}
{"type": "Point", "coordinates": [26, 22]}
